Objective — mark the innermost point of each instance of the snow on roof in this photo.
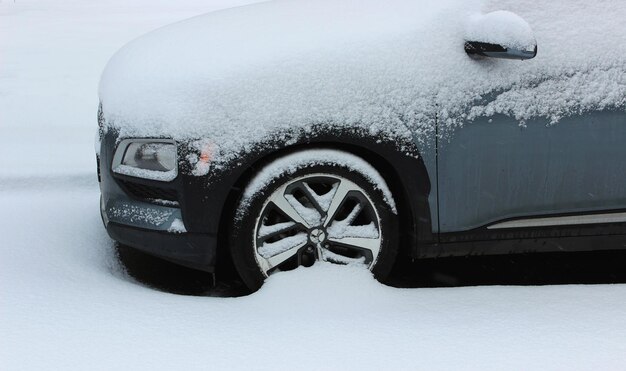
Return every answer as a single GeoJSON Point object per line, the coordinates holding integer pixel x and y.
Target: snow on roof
{"type": "Point", "coordinates": [241, 75]}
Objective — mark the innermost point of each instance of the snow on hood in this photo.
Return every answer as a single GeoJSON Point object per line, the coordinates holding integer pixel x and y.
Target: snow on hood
{"type": "Point", "coordinates": [241, 75]}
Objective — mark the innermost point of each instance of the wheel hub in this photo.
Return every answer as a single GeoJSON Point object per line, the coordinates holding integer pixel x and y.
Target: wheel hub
{"type": "Point", "coordinates": [317, 236]}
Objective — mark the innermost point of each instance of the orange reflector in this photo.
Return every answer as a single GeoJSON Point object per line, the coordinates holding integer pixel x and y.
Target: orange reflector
{"type": "Point", "coordinates": [206, 155]}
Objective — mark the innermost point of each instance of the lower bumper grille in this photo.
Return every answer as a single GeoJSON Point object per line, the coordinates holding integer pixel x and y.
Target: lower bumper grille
{"type": "Point", "coordinates": [150, 193]}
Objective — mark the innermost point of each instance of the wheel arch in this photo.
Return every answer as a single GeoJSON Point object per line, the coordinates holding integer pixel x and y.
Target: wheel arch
{"type": "Point", "coordinates": [395, 166]}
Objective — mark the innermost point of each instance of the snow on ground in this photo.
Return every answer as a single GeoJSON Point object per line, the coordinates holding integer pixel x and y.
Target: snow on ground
{"type": "Point", "coordinates": [65, 303]}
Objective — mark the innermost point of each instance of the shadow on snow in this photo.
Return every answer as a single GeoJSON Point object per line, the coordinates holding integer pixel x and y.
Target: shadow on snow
{"type": "Point", "coordinates": [598, 267]}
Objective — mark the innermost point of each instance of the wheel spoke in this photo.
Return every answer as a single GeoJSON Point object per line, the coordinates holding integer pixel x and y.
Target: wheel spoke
{"type": "Point", "coordinates": [313, 197]}
{"type": "Point", "coordinates": [311, 215]}
{"type": "Point", "coordinates": [269, 231]}
{"type": "Point", "coordinates": [329, 256]}
{"type": "Point", "coordinates": [342, 191]}
{"type": "Point", "coordinates": [324, 199]}
{"type": "Point", "coordinates": [353, 214]}
{"type": "Point", "coordinates": [276, 260]}
{"type": "Point", "coordinates": [359, 243]}
{"type": "Point", "coordinates": [279, 200]}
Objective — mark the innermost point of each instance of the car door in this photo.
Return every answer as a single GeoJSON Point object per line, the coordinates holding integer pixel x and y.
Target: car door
{"type": "Point", "coordinates": [494, 169]}
{"type": "Point", "coordinates": [545, 138]}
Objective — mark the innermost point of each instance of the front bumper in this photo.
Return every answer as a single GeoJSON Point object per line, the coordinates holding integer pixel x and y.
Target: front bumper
{"type": "Point", "coordinates": [156, 228]}
{"type": "Point", "coordinates": [189, 249]}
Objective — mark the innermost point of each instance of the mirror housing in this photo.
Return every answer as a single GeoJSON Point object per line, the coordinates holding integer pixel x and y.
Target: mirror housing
{"type": "Point", "coordinates": [500, 34]}
{"type": "Point", "coordinates": [481, 49]}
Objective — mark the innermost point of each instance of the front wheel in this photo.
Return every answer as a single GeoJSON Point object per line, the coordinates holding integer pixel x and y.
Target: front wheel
{"type": "Point", "coordinates": [315, 205]}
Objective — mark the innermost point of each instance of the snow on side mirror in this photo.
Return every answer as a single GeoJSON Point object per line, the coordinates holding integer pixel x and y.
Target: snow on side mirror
{"type": "Point", "coordinates": [500, 34]}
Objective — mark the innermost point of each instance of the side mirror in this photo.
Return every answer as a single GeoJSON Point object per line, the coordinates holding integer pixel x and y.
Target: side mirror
{"type": "Point", "coordinates": [500, 34]}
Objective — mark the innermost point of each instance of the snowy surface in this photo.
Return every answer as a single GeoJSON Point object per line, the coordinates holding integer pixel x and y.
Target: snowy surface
{"type": "Point", "coordinates": [163, 176]}
{"type": "Point", "coordinates": [385, 67]}
{"type": "Point", "coordinates": [177, 226]}
{"type": "Point", "coordinates": [501, 27]}
{"type": "Point", "coordinates": [66, 304]}
{"type": "Point", "coordinates": [140, 215]}
{"type": "Point", "coordinates": [340, 230]}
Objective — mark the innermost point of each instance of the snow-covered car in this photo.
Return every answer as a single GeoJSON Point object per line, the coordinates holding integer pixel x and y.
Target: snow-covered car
{"type": "Point", "coordinates": [287, 132]}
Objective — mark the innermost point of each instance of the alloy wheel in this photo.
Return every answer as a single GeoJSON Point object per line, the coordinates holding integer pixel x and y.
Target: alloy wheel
{"type": "Point", "coordinates": [317, 217]}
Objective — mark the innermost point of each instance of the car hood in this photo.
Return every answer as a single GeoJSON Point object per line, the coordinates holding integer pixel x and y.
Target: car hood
{"type": "Point", "coordinates": [278, 63]}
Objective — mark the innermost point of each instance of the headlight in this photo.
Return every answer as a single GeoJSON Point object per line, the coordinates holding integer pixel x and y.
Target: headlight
{"type": "Point", "coordinates": [151, 156]}
{"type": "Point", "coordinates": [146, 158]}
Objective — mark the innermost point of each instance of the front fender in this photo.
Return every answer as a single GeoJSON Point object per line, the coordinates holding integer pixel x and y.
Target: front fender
{"type": "Point", "coordinates": [210, 200]}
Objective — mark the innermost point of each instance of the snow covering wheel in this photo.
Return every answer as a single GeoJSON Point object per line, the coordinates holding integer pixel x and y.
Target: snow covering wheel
{"type": "Point", "coordinates": [314, 205]}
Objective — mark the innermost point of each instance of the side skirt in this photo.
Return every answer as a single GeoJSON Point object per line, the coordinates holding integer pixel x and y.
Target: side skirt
{"type": "Point", "coordinates": [485, 241]}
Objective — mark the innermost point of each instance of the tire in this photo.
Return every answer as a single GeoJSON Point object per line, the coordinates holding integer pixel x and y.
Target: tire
{"type": "Point", "coordinates": [282, 219]}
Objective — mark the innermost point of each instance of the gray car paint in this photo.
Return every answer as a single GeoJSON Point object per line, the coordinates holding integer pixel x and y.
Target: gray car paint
{"type": "Point", "coordinates": [494, 168]}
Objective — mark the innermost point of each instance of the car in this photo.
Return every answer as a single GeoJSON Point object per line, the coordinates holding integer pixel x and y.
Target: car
{"type": "Point", "coordinates": [283, 133]}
